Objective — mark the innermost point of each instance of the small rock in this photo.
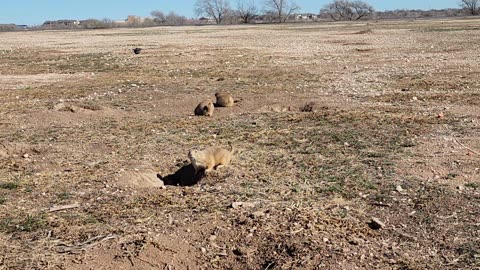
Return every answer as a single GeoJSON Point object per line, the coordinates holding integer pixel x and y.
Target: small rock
{"type": "Point", "coordinates": [240, 251]}
{"type": "Point", "coordinates": [236, 205]}
{"type": "Point", "coordinates": [440, 116]}
{"type": "Point", "coordinates": [355, 241]}
{"type": "Point", "coordinates": [203, 249]}
{"type": "Point", "coordinates": [376, 224]}
{"type": "Point", "coordinates": [257, 214]}
{"type": "Point", "coordinates": [399, 189]}
{"type": "Point", "coordinates": [222, 253]}
{"type": "Point", "coordinates": [212, 238]}
{"type": "Point", "coordinates": [25, 156]}
{"type": "Point", "coordinates": [325, 240]}
{"type": "Point", "coordinates": [60, 107]}
{"type": "Point", "coordinates": [414, 98]}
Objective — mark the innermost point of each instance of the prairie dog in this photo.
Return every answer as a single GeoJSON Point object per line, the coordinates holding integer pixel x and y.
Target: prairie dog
{"type": "Point", "coordinates": [224, 99]}
{"type": "Point", "coordinates": [204, 108]}
{"type": "Point", "coordinates": [212, 157]}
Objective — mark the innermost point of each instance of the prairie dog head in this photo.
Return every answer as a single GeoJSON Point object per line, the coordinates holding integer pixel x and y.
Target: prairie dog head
{"type": "Point", "coordinates": [192, 154]}
{"type": "Point", "coordinates": [224, 99]}
{"type": "Point", "coordinates": [205, 108]}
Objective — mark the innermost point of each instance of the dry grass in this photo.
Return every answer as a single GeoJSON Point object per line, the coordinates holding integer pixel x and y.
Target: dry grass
{"type": "Point", "coordinates": [336, 124]}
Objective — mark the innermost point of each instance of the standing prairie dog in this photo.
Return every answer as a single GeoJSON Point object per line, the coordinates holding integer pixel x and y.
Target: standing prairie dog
{"type": "Point", "coordinates": [210, 158]}
{"type": "Point", "coordinates": [205, 108]}
{"type": "Point", "coordinates": [224, 99]}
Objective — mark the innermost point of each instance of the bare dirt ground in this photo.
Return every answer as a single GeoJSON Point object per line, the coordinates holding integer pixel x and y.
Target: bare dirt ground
{"type": "Point", "coordinates": [393, 133]}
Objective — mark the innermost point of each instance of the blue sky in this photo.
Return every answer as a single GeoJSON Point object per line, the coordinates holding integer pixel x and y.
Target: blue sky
{"type": "Point", "coordinates": [37, 11]}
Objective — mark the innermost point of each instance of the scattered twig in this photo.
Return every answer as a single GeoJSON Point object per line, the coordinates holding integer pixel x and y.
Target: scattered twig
{"type": "Point", "coordinates": [87, 244]}
{"type": "Point", "coordinates": [297, 231]}
{"type": "Point", "coordinates": [63, 207]}
{"type": "Point", "coordinates": [466, 147]}
{"type": "Point", "coordinates": [380, 204]}
{"type": "Point", "coordinates": [268, 266]}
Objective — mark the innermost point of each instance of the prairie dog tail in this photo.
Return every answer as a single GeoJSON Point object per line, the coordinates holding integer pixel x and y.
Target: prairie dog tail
{"type": "Point", "coordinates": [232, 149]}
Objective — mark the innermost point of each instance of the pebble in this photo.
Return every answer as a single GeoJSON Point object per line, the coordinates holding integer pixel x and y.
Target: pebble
{"type": "Point", "coordinates": [257, 214]}
{"type": "Point", "coordinates": [355, 241]}
{"type": "Point", "coordinates": [236, 205]}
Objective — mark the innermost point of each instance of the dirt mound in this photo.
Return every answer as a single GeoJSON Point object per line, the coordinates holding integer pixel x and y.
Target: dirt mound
{"type": "Point", "coordinates": [75, 108]}
{"type": "Point", "coordinates": [139, 180]}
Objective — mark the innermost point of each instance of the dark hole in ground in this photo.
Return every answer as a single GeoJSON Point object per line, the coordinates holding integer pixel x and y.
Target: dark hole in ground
{"type": "Point", "coordinates": [185, 177]}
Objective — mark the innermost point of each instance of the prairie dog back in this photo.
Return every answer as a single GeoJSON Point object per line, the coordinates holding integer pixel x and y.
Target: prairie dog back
{"type": "Point", "coordinates": [224, 99]}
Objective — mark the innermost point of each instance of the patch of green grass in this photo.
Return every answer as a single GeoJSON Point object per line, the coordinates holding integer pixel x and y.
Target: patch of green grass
{"type": "Point", "coordinates": [369, 184]}
{"type": "Point", "coordinates": [451, 176]}
{"type": "Point", "coordinates": [9, 185]}
{"type": "Point", "coordinates": [28, 223]}
{"type": "Point", "coordinates": [64, 195]}
{"type": "Point", "coordinates": [296, 189]}
{"type": "Point", "coordinates": [374, 155]}
{"type": "Point", "coordinates": [472, 185]}
{"type": "Point", "coordinates": [32, 223]}
{"type": "Point", "coordinates": [7, 224]}
{"type": "Point", "coordinates": [332, 189]}
{"type": "Point", "coordinates": [90, 220]}
{"type": "Point", "coordinates": [470, 252]}
{"type": "Point", "coordinates": [450, 29]}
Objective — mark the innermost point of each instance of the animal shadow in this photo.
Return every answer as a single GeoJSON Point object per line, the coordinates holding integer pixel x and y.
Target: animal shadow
{"type": "Point", "coordinates": [185, 177]}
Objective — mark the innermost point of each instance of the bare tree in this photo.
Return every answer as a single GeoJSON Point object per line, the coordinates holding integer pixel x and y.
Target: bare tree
{"type": "Point", "coordinates": [174, 19]}
{"type": "Point", "coordinates": [281, 8]}
{"type": "Point", "coordinates": [347, 10]}
{"type": "Point", "coordinates": [246, 10]}
{"type": "Point", "coordinates": [158, 16]}
{"type": "Point", "coordinates": [216, 9]}
{"type": "Point", "coordinates": [473, 6]}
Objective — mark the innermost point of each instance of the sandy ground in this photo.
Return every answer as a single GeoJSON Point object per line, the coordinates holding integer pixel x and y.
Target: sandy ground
{"type": "Point", "coordinates": [335, 125]}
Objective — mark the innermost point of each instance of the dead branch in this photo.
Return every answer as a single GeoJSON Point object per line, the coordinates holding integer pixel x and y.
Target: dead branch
{"type": "Point", "coordinates": [63, 207]}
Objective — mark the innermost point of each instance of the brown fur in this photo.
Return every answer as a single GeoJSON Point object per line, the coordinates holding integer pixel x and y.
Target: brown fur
{"type": "Point", "coordinates": [224, 99]}
{"type": "Point", "coordinates": [205, 108]}
{"type": "Point", "coordinates": [210, 158]}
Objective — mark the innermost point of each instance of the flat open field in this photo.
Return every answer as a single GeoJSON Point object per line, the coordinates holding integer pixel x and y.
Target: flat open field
{"type": "Point", "coordinates": [335, 124]}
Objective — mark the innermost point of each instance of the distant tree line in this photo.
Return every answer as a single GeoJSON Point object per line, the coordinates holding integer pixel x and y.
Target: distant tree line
{"type": "Point", "coordinates": [280, 11]}
{"type": "Point", "coordinates": [8, 27]}
{"type": "Point", "coordinates": [246, 11]}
